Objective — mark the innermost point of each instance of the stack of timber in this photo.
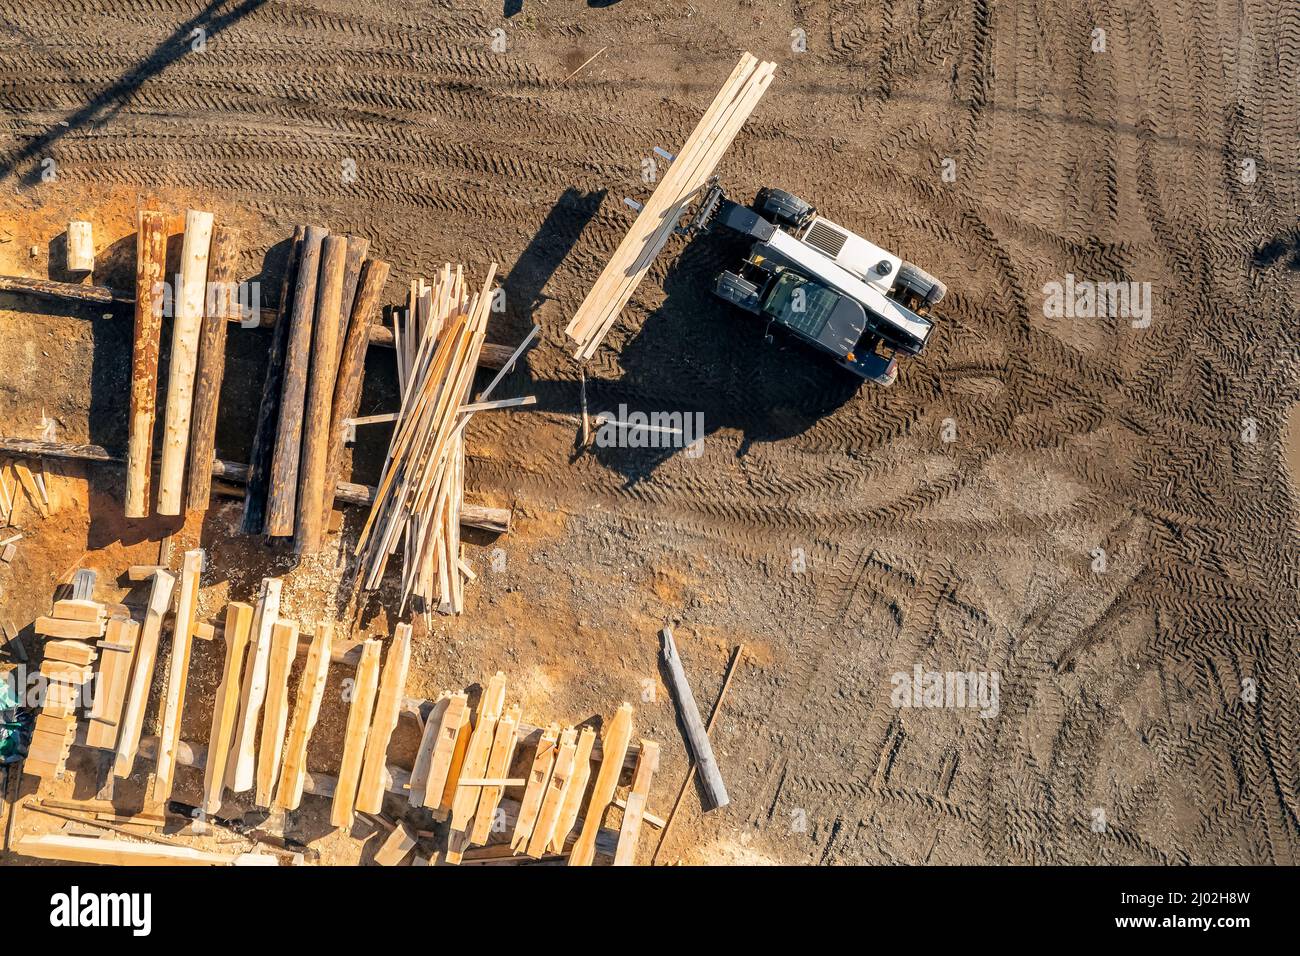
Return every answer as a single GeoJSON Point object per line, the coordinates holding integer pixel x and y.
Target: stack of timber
{"type": "Point", "coordinates": [420, 495]}
{"type": "Point", "coordinates": [680, 186]}
{"type": "Point", "coordinates": [329, 299]}
{"type": "Point", "coordinates": [555, 808]}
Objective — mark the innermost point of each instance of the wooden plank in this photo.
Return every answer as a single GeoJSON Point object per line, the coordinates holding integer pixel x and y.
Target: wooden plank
{"type": "Point", "coordinates": [352, 366]}
{"type": "Point", "coordinates": [614, 743]}
{"type": "Point", "coordinates": [112, 852]}
{"type": "Point", "coordinates": [225, 710]}
{"type": "Point", "coordinates": [241, 764]}
{"type": "Point", "coordinates": [399, 843]}
{"type": "Point", "coordinates": [128, 739]}
{"type": "Point", "coordinates": [220, 303]}
{"type": "Point", "coordinates": [81, 247]}
{"type": "Point", "coordinates": [574, 789]}
{"type": "Point", "coordinates": [452, 735]}
{"type": "Point", "coordinates": [539, 777]}
{"type": "Point", "coordinates": [116, 662]}
{"type": "Point", "coordinates": [364, 687]}
{"type": "Point", "coordinates": [696, 735]}
{"type": "Point", "coordinates": [178, 672]}
{"type": "Point", "coordinates": [553, 797]}
{"type": "Point", "coordinates": [74, 652]}
{"type": "Point", "coordinates": [424, 753]}
{"type": "Point", "coordinates": [634, 810]}
{"type": "Point", "coordinates": [311, 691]}
{"type": "Point", "coordinates": [465, 799]}
{"type": "Point", "coordinates": [150, 266]}
{"type": "Point", "coordinates": [268, 411]}
{"type": "Point", "coordinates": [275, 712]}
{"type": "Point", "coordinates": [503, 751]}
{"type": "Point", "coordinates": [71, 610]}
{"type": "Point", "coordinates": [309, 530]}
{"type": "Point", "coordinates": [282, 499]}
{"type": "Point", "coordinates": [392, 687]}
{"type": "Point", "coordinates": [69, 630]}
{"type": "Point", "coordinates": [189, 303]}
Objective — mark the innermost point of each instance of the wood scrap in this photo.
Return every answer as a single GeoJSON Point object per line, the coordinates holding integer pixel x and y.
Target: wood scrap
{"type": "Point", "coordinates": [128, 738]}
{"type": "Point", "coordinates": [239, 620]}
{"type": "Point", "coordinates": [539, 778]}
{"type": "Point", "coordinates": [178, 672]}
{"type": "Point", "coordinates": [614, 746]}
{"type": "Point", "coordinates": [116, 663]}
{"type": "Point", "coordinates": [311, 690]}
{"type": "Point", "coordinates": [548, 813]}
{"type": "Point", "coordinates": [503, 751]}
{"type": "Point", "coordinates": [400, 842]}
{"type": "Point", "coordinates": [370, 791]}
{"type": "Point", "coordinates": [574, 789]}
{"type": "Point", "coordinates": [275, 709]}
{"type": "Point", "coordinates": [364, 687]}
{"type": "Point", "coordinates": [451, 729]}
{"type": "Point", "coordinates": [81, 247]}
{"type": "Point", "coordinates": [465, 799]}
{"type": "Point", "coordinates": [241, 764]}
{"type": "Point", "coordinates": [634, 808]}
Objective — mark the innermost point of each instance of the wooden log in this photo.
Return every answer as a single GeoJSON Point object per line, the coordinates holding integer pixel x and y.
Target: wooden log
{"type": "Point", "coordinates": [178, 672]}
{"type": "Point", "coordinates": [614, 746]}
{"type": "Point", "coordinates": [364, 686]}
{"type": "Point", "coordinates": [81, 247]}
{"type": "Point", "coordinates": [634, 809]}
{"type": "Point", "coordinates": [221, 301]}
{"type": "Point", "coordinates": [351, 370]}
{"type": "Point", "coordinates": [239, 619]}
{"type": "Point", "coordinates": [696, 735]}
{"type": "Point", "coordinates": [358, 249]}
{"type": "Point", "coordinates": [392, 688]}
{"type": "Point", "coordinates": [275, 712]}
{"type": "Point", "coordinates": [309, 529]}
{"type": "Point", "coordinates": [115, 667]}
{"type": "Point", "coordinates": [189, 303]}
{"type": "Point", "coordinates": [240, 765]}
{"type": "Point", "coordinates": [281, 501]}
{"type": "Point", "coordinates": [495, 520]}
{"type": "Point", "coordinates": [311, 690]}
{"type": "Point", "coordinates": [128, 738]}
{"type": "Point", "coordinates": [268, 412]}
{"type": "Point", "coordinates": [70, 292]}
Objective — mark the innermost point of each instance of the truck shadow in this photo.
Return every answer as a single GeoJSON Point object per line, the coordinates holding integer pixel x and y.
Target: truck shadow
{"type": "Point", "coordinates": [713, 364]}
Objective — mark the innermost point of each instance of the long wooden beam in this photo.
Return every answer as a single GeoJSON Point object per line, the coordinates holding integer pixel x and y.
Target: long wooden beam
{"type": "Point", "coordinates": [151, 263]}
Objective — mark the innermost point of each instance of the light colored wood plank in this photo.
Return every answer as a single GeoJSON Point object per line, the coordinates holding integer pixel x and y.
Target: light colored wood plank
{"type": "Point", "coordinates": [574, 789]}
{"type": "Point", "coordinates": [399, 843]}
{"type": "Point", "coordinates": [73, 652]}
{"type": "Point", "coordinates": [552, 798]}
{"type": "Point", "coordinates": [465, 800]}
{"type": "Point", "coordinates": [115, 665]}
{"type": "Point", "coordinates": [69, 630]}
{"type": "Point", "coordinates": [503, 750]}
{"type": "Point", "coordinates": [128, 738]}
{"type": "Point", "coordinates": [275, 711]}
{"type": "Point", "coordinates": [70, 610]}
{"type": "Point", "coordinates": [424, 754]}
{"type": "Point", "coordinates": [109, 852]}
{"type": "Point", "coordinates": [311, 691]}
{"type": "Point", "coordinates": [241, 765]}
{"type": "Point", "coordinates": [225, 711]}
{"type": "Point", "coordinates": [392, 687]}
{"type": "Point", "coordinates": [539, 776]}
{"type": "Point", "coordinates": [453, 726]}
{"type": "Point", "coordinates": [614, 743]}
{"type": "Point", "coordinates": [647, 763]}
{"type": "Point", "coordinates": [364, 688]}
{"type": "Point", "coordinates": [178, 672]}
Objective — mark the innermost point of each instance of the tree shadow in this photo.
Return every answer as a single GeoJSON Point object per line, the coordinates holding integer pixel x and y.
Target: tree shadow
{"type": "Point", "coordinates": [1283, 250]}
{"type": "Point", "coordinates": [104, 106]}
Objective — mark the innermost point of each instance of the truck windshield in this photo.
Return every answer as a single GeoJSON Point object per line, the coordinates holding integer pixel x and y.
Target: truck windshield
{"type": "Point", "coordinates": [800, 304]}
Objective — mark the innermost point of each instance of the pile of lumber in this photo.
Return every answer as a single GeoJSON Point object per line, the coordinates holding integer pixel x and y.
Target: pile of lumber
{"type": "Point", "coordinates": [463, 768]}
{"type": "Point", "coordinates": [16, 480]}
{"type": "Point", "coordinates": [686, 177]}
{"type": "Point", "coordinates": [328, 302]}
{"type": "Point", "coordinates": [420, 495]}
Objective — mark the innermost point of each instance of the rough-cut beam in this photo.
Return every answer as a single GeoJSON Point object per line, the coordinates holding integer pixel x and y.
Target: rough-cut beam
{"type": "Point", "coordinates": [115, 662]}
{"type": "Point", "coordinates": [128, 739]}
{"type": "Point", "coordinates": [615, 740]}
{"type": "Point", "coordinates": [189, 300]}
{"type": "Point", "coordinates": [241, 764]}
{"type": "Point", "coordinates": [283, 496]}
{"type": "Point", "coordinates": [150, 264]}
{"type": "Point", "coordinates": [239, 619]}
{"type": "Point", "coordinates": [364, 686]}
{"type": "Point", "coordinates": [223, 265]}
{"type": "Point", "coordinates": [275, 712]}
{"type": "Point", "coordinates": [311, 690]}
{"type": "Point", "coordinates": [178, 673]}
{"type": "Point", "coordinates": [392, 687]}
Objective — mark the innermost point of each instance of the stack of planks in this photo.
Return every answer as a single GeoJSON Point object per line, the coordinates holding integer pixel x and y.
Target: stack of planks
{"type": "Point", "coordinates": [420, 494]}
{"type": "Point", "coordinates": [680, 186]}
{"type": "Point", "coordinates": [328, 302]}
{"type": "Point", "coordinates": [462, 773]}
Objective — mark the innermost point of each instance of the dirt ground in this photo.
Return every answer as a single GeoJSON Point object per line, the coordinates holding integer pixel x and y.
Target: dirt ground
{"type": "Point", "coordinates": [1096, 513]}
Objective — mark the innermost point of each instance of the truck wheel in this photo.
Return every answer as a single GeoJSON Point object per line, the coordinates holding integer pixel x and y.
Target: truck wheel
{"type": "Point", "coordinates": [782, 208]}
{"type": "Point", "coordinates": [927, 289]}
{"type": "Point", "coordinates": [737, 291]}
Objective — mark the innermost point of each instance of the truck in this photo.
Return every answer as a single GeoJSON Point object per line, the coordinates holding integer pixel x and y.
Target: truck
{"type": "Point", "coordinates": [821, 284]}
